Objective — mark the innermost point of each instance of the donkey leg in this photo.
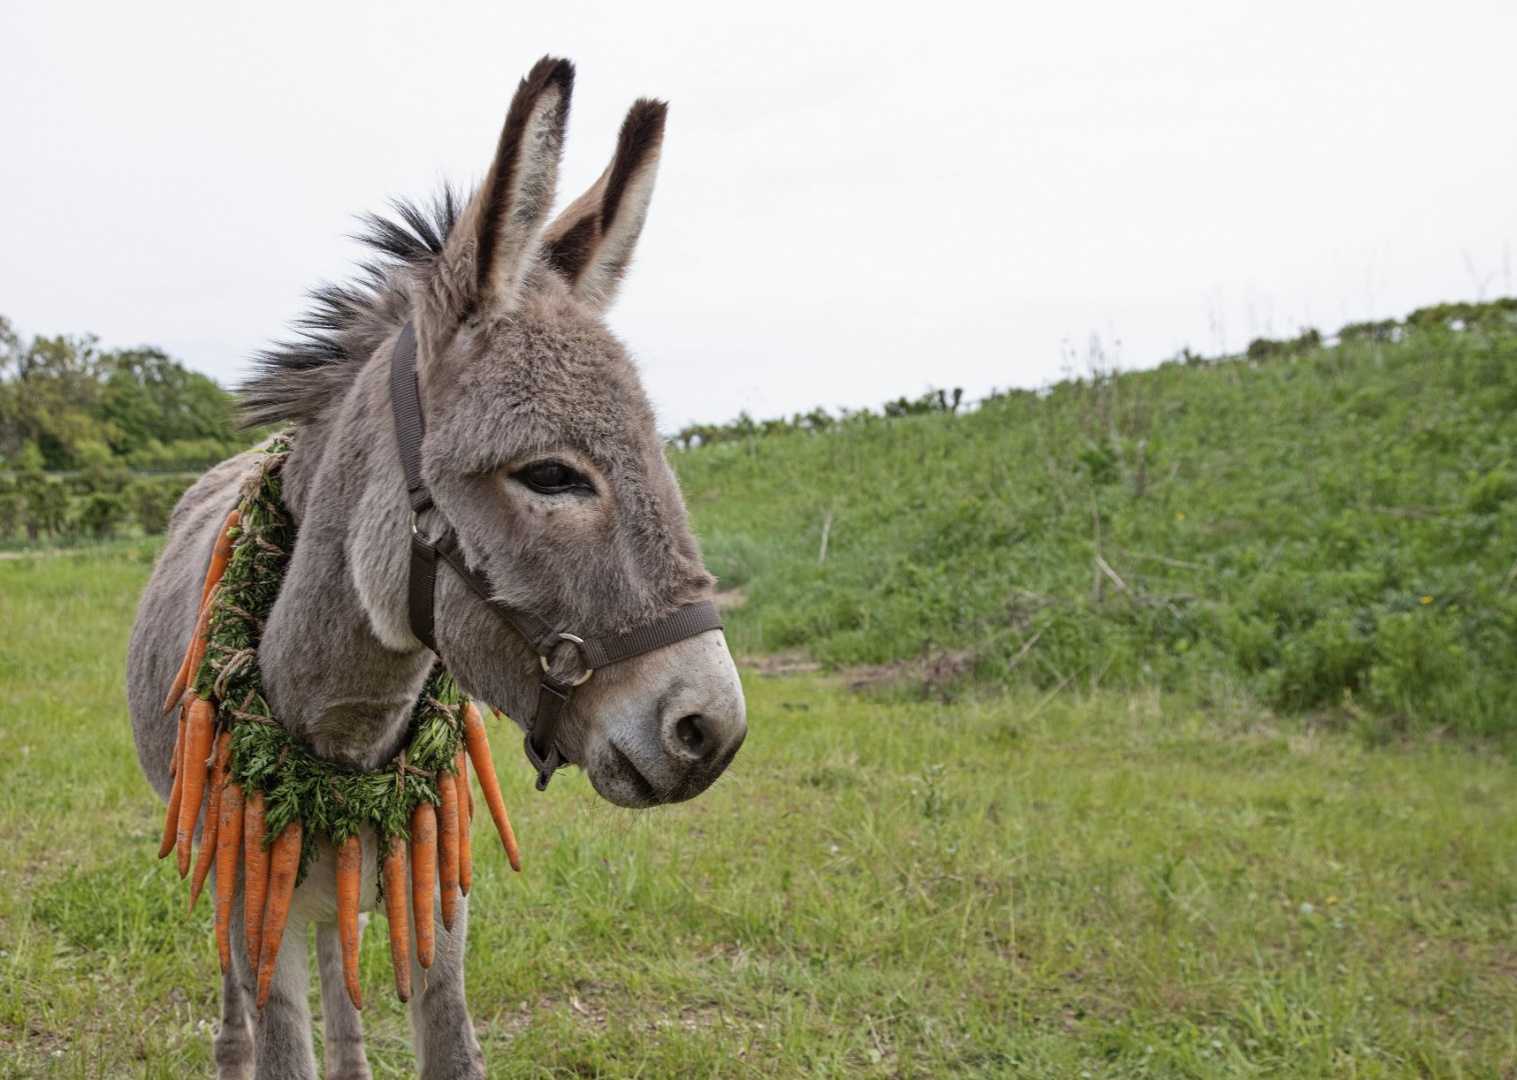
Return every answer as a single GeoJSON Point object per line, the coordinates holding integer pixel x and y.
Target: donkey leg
{"type": "Point", "coordinates": [234, 1039]}
{"type": "Point", "coordinates": [441, 1030]}
{"type": "Point", "coordinates": [282, 1047]}
{"type": "Point", "coordinates": [345, 1055]}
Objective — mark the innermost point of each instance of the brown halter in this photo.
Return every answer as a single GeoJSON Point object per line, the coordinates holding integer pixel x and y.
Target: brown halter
{"type": "Point", "coordinates": [553, 691]}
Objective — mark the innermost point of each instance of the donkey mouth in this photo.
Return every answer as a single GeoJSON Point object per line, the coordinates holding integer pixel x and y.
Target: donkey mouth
{"type": "Point", "coordinates": [624, 773]}
{"type": "Point", "coordinates": [620, 780]}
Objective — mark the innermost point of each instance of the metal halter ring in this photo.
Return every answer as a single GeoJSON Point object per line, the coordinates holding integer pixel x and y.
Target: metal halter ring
{"type": "Point", "coordinates": [416, 526]}
{"type": "Point", "coordinates": [579, 641]}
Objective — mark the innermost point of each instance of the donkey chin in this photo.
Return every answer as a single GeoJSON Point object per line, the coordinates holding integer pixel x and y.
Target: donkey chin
{"type": "Point", "coordinates": [665, 729]}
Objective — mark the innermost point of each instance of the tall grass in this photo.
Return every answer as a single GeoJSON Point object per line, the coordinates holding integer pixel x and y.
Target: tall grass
{"type": "Point", "coordinates": [1328, 528]}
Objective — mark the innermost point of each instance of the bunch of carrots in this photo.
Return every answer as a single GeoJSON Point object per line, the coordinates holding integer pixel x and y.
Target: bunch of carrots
{"type": "Point", "coordinates": [439, 855]}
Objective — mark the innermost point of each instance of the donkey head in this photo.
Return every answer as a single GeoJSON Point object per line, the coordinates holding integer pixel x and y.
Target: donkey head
{"type": "Point", "coordinates": [541, 451]}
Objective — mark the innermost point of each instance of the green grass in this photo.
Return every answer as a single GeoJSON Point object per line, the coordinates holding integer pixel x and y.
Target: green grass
{"type": "Point", "coordinates": [1332, 528]}
{"type": "Point", "coordinates": [1034, 884]}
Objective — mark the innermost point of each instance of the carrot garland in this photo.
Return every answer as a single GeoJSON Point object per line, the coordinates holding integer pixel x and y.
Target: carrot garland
{"type": "Point", "coordinates": [395, 912]}
{"type": "Point", "coordinates": [228, 852]}
{"type": "Point", "coordinates": [423, 878]}
{"type": "Point", "coordinates": [478, 743]}
{"type": "Point", "coordinates": [349, 874]}
{"type": "Point", "coordinates": [284, 865]}
{"type": "Point", "coordinates": [266, 798]}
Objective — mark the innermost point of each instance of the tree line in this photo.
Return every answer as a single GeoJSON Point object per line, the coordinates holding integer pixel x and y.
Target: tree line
{"type": "Point", "coordinates": [93, 441]}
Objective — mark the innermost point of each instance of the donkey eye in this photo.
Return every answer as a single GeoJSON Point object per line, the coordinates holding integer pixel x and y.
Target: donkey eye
{"type": "Point", "coordinates": [553, 478]}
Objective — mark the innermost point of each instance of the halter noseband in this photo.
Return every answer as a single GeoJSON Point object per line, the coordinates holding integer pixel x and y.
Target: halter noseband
{"type": "Point", "coordinates": [553, 691]}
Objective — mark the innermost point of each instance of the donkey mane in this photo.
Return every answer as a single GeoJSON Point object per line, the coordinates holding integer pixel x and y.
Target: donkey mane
{"type": "Point", "coordinates": [294, 380]}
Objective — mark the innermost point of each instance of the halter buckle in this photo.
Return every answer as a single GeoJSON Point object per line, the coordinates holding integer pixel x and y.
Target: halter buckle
{"type": "Point", "coordinates": [579, 644]}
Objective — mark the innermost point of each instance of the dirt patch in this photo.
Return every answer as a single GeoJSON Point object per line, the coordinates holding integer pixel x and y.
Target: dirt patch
{"type": "Point", "coordinates": [928, 671]}
{"type": "Point", "coordinates": [729, 599]}
{"type": "Point", "coordinates": [786, 663]}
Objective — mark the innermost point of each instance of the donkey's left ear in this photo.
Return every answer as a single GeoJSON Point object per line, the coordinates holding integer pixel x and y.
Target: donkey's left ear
{"type": "Point", "coordinates": [591, 242]}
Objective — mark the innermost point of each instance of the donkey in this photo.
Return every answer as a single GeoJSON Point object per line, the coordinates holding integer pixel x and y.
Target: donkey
{"type": "Point", "coordinates": [541, 451]}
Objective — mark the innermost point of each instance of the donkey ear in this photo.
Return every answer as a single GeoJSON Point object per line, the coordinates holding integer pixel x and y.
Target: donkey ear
{"type": "Point", "coordinates": [591, 242]}
{"type": "Point", "coordinates": [491, 247]}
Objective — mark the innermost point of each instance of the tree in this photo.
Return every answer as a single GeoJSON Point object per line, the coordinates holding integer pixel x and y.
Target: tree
{"type": "Point", "coordinates": [48, 392]}
{"type": "Point", "coordinates": [146, 395]}
{"type": "Point", "coordinates": [62, 393]}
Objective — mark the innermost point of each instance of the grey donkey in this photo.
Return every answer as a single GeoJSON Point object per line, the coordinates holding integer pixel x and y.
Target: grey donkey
{"type": "Point", "coordinates": [541, 450]}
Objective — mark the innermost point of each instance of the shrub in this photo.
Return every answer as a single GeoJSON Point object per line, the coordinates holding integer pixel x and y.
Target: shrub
{"type": "Point", "coordinates": [153, 500]}
{"type": "Point", "coordinates": [101, 513]}
{"type": "Point", "coordinates": [1317, 666]}
{"type": "Point", "coordinates": [1417, 662]}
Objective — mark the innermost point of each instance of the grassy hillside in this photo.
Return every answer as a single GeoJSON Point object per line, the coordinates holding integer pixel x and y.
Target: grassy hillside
{"type": "Point", "coordinates": [1313, 527]}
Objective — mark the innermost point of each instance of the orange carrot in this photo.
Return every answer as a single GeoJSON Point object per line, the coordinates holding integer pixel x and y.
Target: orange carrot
{"type": "Point", "coordinates": [220, 556]}
{"type": "Point", "coordinates": [171, 821]}
{"type": "Point", "coordinates": [465, 842]}
{"type": "Point", "coordinates": [284, 865]}
{"type": "Point", "coordinates": [395, 911]}
{"type": "Point", "coordinates": [181, 680]}
{"type": "Point", "coordinates": [228, 850]}
{"type": "Point", "coordinates": [178, 746]}
{"type": "Point", "coordinates": [461, 763]}
{"type": "Point", "coordinates": [197, 748]}
{"type": "Point", "coordinates": [447, 848]}
{"type": "Point", "coordinates": [349, 874]}
{"type": "Point", "coordinates": [185, 680]}
{"type": "Point", "coordinates": [210, 836]}
{"type": "Point", "coordinates": [198, 646]}
{"type": "Point", "coordinates": [478, 744]}
{"type": "Point", "coordinates": [255, 885]}
{"type": "Point", "coordinates": [423, 878]}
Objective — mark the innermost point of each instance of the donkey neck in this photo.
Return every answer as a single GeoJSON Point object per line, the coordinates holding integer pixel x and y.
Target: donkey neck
{"type": "Point", "coordinates": [340, 668]}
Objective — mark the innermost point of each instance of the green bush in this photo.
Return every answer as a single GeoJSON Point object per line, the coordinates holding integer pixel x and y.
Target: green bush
{"type": "Point", "coordinates": [101, 513]}
{"type": "Point", "coordinates": [11, 507]}
{"type": "Point", "coordinates": [1318, 665]}
{"type": "Point", "coordinates": [153, 500]}
{"type": "Point", "coordinates": [1418, 665]}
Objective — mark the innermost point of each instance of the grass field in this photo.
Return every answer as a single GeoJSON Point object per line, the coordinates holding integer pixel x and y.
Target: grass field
{"type": "Point", "coordinates": [1108, 884]}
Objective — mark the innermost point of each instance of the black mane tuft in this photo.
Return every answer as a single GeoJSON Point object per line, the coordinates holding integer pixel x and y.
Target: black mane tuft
{"type": "Point", "coordinates": [295, 379]}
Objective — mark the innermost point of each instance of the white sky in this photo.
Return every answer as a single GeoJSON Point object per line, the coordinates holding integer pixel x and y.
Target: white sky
{"type": "Point", "coordinates": [856, 201]}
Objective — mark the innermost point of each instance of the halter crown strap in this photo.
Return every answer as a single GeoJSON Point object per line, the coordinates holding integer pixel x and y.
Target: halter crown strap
{"type": "Point", "coordinates": [554, 689]}
{"type": "Point", "coordinates": [405, 403]}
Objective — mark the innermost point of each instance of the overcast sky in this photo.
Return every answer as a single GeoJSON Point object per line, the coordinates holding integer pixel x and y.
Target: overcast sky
{"type": "Point", "coordinates": [856, 201]}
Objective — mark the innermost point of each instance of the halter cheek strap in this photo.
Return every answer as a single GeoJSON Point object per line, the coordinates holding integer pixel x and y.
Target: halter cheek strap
{"type": "Point", "coordinates": [557, 684]}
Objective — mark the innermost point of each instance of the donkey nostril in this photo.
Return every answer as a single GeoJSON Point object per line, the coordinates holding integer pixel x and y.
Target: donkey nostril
{"type": "Point", "coordinates": [688, 731]}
